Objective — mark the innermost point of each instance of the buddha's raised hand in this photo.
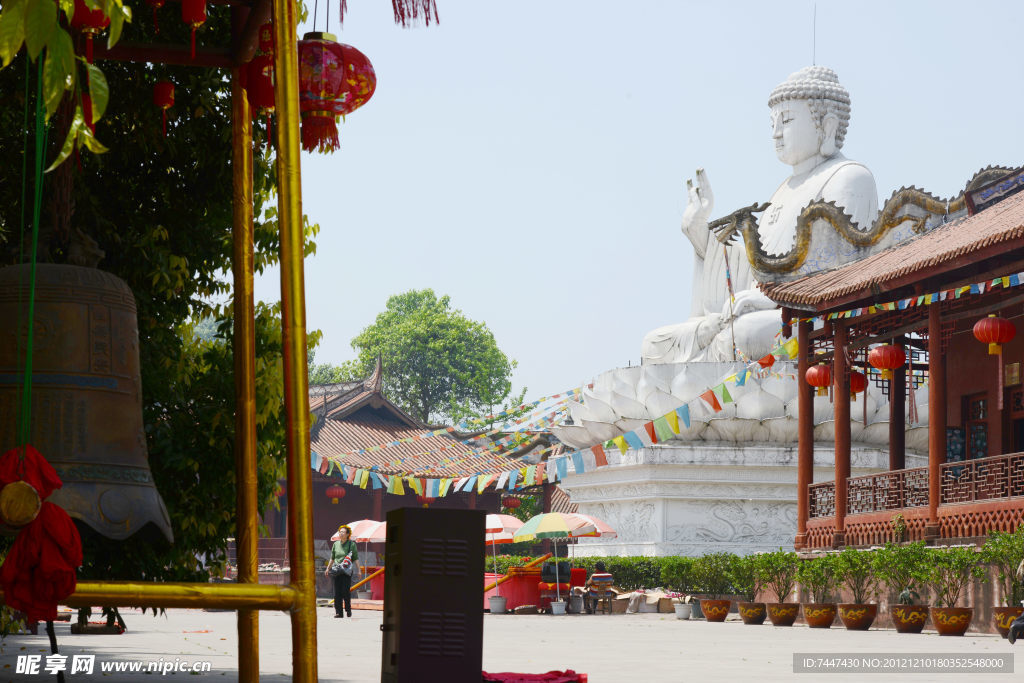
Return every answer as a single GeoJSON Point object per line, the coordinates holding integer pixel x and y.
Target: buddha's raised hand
{"type": "Point", "coordinates": [699, 205]}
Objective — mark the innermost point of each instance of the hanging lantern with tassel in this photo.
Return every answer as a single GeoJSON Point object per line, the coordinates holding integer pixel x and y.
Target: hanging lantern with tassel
{"type": "Point", "coordinates": [887, 357]}
{"type": "Point", "coordinates": [163, 97]}
{"type": "Point", "coordinates": [155, 4]}
{"type": "Point", "coordinates": [193, 13]}
{"type": "Point", "coordinates": [858, 383]}
{"type": "Point", "coordinates": [335, 493]}
{"type": "Point", "coordinates": [995, 332]}
{"type": "Point", "coordinates": [425, 501]}
{"type": "Point", "coordinates": [259, 86]}
{"type": "Point", "coordinates": [89, 22]}
{"type": "Point", "coordinates": [820, 377]}
{"type": "Point", "coordinates": [334, 80]}
{"type": "Point", "coordinates": [511, 502]}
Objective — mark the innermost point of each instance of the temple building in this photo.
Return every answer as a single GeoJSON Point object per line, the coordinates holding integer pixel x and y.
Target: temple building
{"type": "Point", "coordinates": [945, 299]}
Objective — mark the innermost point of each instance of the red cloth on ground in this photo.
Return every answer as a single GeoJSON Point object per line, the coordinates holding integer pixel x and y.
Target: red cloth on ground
{"type": "Point", "coordinates": [35, 470]}
{"type": "Point", "coordinates": [39, 570]}
{"type": "Point", "coordinates": [567, 676]}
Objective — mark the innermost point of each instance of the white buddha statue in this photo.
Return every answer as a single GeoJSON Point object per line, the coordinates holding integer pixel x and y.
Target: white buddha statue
{"type": "Point", "coordinates": [810, 112]}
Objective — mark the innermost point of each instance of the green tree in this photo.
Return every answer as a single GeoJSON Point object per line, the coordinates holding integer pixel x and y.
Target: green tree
{"type": "Point", "coordinates": [438, 364]}
{"type": "Point", "coordinates": [159, 210]}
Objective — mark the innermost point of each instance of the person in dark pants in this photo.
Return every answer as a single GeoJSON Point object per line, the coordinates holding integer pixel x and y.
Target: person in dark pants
{"type": "Point", "coordinates": [343, 548]}
{"type": "Point", "coordinates": [589, 602]}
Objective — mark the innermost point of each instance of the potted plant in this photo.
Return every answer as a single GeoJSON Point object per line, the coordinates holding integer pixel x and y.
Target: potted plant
{"type": "Point", "coordinates": [745, 583]}
{"type": "Point", "coordinates": [1005, 552]}
{"type": "Point", "coordinates": [903, 568]}
{"type": "Point", "coordinates": [711, 572]}
{"type": "Point", "coordinates": [677, 573]}
{"type": "Point", "coordinates": [817, 576]}
{"type": "Point", "coordinates": [951, 571]}
{"type": "Point", "coordinates": [855, 570]}
{"type": "Point", "coordinates": [777, 573]}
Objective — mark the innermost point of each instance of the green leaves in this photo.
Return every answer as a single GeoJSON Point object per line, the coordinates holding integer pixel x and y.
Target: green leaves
{"type": "Point", "coordinates": [58, 69]}
{"type": "Point", "coordinates": [40, 23]}
{"type": "Point", "coordinates": [99, 91]}
{"type": "Point", "coordinates": [12, 29]}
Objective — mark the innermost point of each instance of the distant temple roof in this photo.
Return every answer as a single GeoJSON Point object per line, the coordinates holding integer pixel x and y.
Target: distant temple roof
{"type": "Point", "coordinates": [992, 236]}
{"type": "Point", "coordinates": [356, 415]}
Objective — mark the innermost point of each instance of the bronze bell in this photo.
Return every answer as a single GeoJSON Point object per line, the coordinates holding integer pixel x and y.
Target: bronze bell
{"type": "Point", "coordinates": [86, 394]}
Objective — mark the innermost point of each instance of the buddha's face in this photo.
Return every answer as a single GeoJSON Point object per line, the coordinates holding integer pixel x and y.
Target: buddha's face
{"type": "Point", "coordinates": [795, 131]}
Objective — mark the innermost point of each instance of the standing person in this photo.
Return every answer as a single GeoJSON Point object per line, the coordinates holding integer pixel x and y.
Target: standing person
{"type": "Point", "coordinates": [343, 548]}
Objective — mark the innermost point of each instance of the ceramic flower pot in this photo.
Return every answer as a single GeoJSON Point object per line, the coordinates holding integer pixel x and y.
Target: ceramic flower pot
{"type": "Point", "coordinates": [908, 618]}
{"type": "Point", "coordinates": [753, 613]}
{"type": "Point", "coordinates": [952, 621]}
{"type": "Point", "coordinates": [558, 606]}
{"type": "Point", "coordinates": [1003, 616]}
{"type": "Point", "coordinates": [819, 615]}
{"type": "Point", "coordinates": [497, 603]}
{"type": "Point", "coordinates": [783, 613]}
{"type": "Point", "coordinates": [715, 610]}
{"type": "Point", "coordinates": [682, 610]}
{"type": "Point", "coordinates": [857, 617]}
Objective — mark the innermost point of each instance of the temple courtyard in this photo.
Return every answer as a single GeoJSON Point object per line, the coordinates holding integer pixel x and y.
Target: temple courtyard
{"type": "Point", "coordinates": [618, 647]}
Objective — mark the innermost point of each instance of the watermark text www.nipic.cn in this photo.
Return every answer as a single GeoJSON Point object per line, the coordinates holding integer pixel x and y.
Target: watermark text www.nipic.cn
{"type": "Point", "coordinates": [86, 664]}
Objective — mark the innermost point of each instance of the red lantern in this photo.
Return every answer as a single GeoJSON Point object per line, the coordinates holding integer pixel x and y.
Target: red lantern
{"type": "Point", "coordinates": [155, 4]}
{"type": "Point", "coordinates": [89, 22]}
{"type": "Point", "coordinates": [193, 13]}
{"type": "Point", "coordinates": [425, 500]}
{"type": "Point", "coordinates": [887, 358]}
{"type": "Point", "coordinates": [995, 332]}
{"type": "Point", "coordinates": [335, 493]}
{"type": "Point", "coordinates": [163, 97]}
{"type": "Point", "coordinates": [858, 383]}
{"type": "Point", "coordinates": [820, 376]}
{"type": "Point", "coordinates": [334, 80]}
{"type": "Point", "coordinates": [511, 502]}
{"type": "Point", "coordinates": [259, 86]}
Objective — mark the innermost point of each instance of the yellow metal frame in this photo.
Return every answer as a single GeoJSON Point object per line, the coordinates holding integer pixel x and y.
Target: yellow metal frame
{"type": "Point", "coordinates": [248, 596]}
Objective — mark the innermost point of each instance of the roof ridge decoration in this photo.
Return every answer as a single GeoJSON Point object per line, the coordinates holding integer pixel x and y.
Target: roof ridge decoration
{"type": "Point", "coordinates": [909, 212]}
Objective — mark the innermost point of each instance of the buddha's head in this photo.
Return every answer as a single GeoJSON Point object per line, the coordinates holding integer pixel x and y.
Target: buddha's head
{"type": "Point", "coordinates": [810, 112]}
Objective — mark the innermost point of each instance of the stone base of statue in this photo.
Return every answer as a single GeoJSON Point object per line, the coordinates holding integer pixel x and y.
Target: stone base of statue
{"type": "Point", "coordinates": [691, 499]}
{"type": "Point", "coordinates": [728, 481]}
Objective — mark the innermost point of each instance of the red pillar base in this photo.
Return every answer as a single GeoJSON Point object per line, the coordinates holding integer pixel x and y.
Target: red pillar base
{"type": "Point", "coordinates": [931, 531]}
{"type": "Point", "coordinates": [839, 539]}
{"type": "Point", "coordinates": [800, 542]}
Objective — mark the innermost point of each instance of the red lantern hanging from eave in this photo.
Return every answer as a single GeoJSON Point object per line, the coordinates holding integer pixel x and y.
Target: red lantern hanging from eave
{"type": "Point", "coordinates": [334, 80]}
{"type": "Point", "coordinates": [155, 4]}
{"type": "Point", "coordinates": [820, 377]}
{"type": "Point", "coordinates": [887, 358]}
{"type": "Point", "coordinates": [995, 332]}
{"type": "Point", "coordinates": [425, 501]}
{"type": "Point", "coordinates": [335, 493]}
{"type": "Point", "coordinates": [511, 502]}
{"type": "Point", "coordinates": [163, 97]}
{"type": "Point", "coordinates": [193, 13]}
{"type": "Point", "coordinates": [858, 383]}
{"type": "Point", "coordinates": [89, 22]}
{"type": "Point", "coordinates": [259, 76]}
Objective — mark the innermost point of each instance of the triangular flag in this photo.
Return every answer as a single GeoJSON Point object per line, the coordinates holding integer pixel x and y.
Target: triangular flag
{"type": "Point", "coordinates": [740, 378]}
{"type": "Point", "coordinates": [445, 483]}
{"type": "Point", "coordinates": [481, 484]}
{"type": "Point", "coordinates": [633, 439]}
{"type": "Point", "coordinates": [766, 361]}
{"type": "Point", "coordinates": [662, 429]}
{"type": "Point", "coordinates": [398, 489]}
{"type": "Point", "coordinates": [712, 400]}
{"type": "Point", "coordinates": [673, 421]}
{"type": "Point", "coordinates": [365, 479]}
{"type": "Point", "coordinates": [726, 397]}
{"type": "Point", "coordinates": [684, 414]}
{"type": "Point", "coordinates": [501, 481]}
{"type": "Point", "coordinates": [539, 473]}
{"type": "Point", "coordinates": [528, 478]}
{"type": "Point", "coordinates": [577, 462]}
{"type": "Point", "coordinates": [513, 477]}
{"type": "Point", "coordinates": [351, 475]}
{"type": "Point", "coordinates": [621, 443]}
{"type": "Point", "coordinates": [562, 467]}
{"type": "Point", "coordinates": [600, 459]}
{"type": "Point", "coordinates": [792, 347]}
{"type": "Point", "coordinates": [470, 482]}
{"type": "Point", "coordinates": [649, 428]}
{"type": "Point", "coordinates": [375, 480]}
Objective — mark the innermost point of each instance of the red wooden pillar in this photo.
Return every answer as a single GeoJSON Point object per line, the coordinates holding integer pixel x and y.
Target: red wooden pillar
{"type": "Point", "coordinates": [841, 403]}
{"type": "Point", "coordinates": [936, 418]}
{"type": "Point", "coordinates": [898, 417]}
{"type": "Point", "coordinates": [805, 443]}
{"type": "Point", "coordinates": [378, 505]}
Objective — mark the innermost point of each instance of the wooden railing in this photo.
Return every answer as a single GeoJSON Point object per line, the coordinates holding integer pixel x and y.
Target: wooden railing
{"type": "Point", "coordinates": [998, 476]}
{"type": "Point", "coordinates": [823, 499]}
{"type": "Point", "coordinates": [887, 491]}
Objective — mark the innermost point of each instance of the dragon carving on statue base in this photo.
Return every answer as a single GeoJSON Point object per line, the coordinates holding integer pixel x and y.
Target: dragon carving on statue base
{"type": "Point", "coordinates": [905, 214]}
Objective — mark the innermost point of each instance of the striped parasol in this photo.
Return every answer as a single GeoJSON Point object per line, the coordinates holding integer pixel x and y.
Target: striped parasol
{"type": "Point", "coordinates": [602, 529]}
{"type": "Point", "coordinates": [553, 525]}
{"type": "Point", "coordinates": [500, 529]}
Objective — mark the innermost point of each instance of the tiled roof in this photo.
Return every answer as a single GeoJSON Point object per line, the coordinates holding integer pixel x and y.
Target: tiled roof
{"type": "Point", "coordinates": [560, 501]}
{"type": "Point", "coordinates": [1000, 226]}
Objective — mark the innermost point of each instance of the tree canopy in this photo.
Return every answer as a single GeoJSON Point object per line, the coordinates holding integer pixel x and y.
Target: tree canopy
{"type": "Point", "coordinates": [438, 364]}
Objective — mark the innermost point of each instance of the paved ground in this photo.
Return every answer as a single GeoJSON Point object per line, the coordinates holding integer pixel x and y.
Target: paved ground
{"type": "Point", "coordinates": [637, 647]}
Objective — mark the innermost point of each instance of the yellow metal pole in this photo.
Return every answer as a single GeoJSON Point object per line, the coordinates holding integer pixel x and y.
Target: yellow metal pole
{"type": "Point", "coordinates": [247, 533]}
{"type": "Point", "coordinates": [373, 575]}
{"type": "Point", "coordinates": [223, 595]}
{"type": "Point", "coordinates": [293, 325]}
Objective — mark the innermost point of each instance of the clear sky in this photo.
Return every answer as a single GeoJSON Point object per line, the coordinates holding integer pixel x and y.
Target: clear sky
{"type": "Point", "coordinates": [529, 158]}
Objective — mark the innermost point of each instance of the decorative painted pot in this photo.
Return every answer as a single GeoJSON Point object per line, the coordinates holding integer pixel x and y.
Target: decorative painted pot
{"type": "Point", "coordinates": [753, 613]}
{"type": "Point", "coordinates": [857, 617]}
{"type": "Point", "coordinates": [908, 618]}
{"type": "Point", "coordinates": [783, 613]}
{"type": "Point", "coordinates": [819, 615]}
{"type": "Point", "coordinates": [951, 621]}
{"type": "Point", "coordinates": [1004, 616]}
{"type": "Point", "coordinates": [715, 610]}
{"type": "Point", "coordinates": [682, 610]}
